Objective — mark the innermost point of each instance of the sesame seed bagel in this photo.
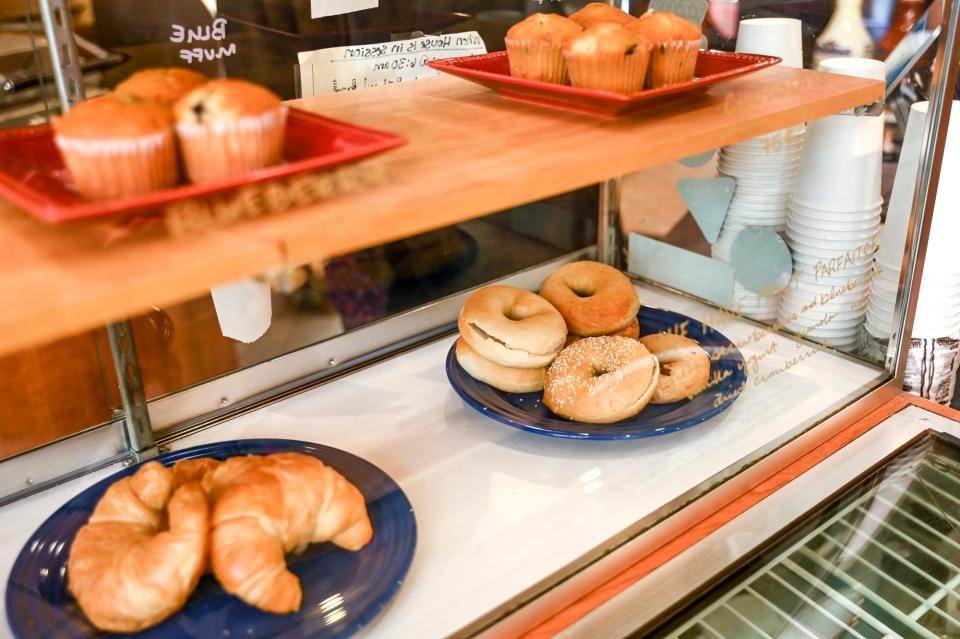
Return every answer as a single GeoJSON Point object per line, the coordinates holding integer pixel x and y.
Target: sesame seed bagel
{"type": "Point", "coordinates": [512, 327]}
{"type": "Point", "coordinates": [510, 380]}
{"type": "Point", "coordinates": [601, 380]}
{"type": "Point", "coordinates": [684, 366]}
{"type": "Point", "coordinates": [594, 299]}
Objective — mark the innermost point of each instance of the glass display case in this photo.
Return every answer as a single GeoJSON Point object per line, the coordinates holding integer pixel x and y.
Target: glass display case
{"type": "Point", "coordinates": [786, 207]}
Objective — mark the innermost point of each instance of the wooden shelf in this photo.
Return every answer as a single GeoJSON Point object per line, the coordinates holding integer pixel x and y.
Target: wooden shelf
{"type": "Point", "coordinates": [470, 153]}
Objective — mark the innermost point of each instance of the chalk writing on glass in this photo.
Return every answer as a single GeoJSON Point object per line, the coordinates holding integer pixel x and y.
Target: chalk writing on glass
{"type": "Point", "coordinates": [215, 33]}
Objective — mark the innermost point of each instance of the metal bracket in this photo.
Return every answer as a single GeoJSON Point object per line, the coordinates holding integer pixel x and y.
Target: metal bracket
{"type": "Point", "coordinates": [874, 109]}
{"type": "Point", "coordinates": [609, 235]}
{"type": "Point", "coordinates": [137, 431]}
{"type": "Point", "coordinates": [58, 27]}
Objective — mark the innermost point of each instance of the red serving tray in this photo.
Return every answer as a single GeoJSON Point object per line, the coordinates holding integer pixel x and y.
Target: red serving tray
{"type": "Point", "coordinates": [492, 70]}
{"type": "Point", "coordinates": [33, 175]}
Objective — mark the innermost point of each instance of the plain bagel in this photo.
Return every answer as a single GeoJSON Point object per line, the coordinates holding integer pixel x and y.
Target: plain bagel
{"type": "Point", "coordinates": [684, 366]}
{"type": "Point", "coordinates": [510, 380]}
{"type": "Point", "coordinates": [594, 299]}
{"type": "Point", "coordinates": [601, 380]}
{"type": "Point", "coordinates": [632, 331]}
{"type": "Point", "coordinates": [512, 327]}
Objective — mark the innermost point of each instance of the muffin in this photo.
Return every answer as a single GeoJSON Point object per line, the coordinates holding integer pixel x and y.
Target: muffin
{"type": "Point", "coordinates": [535, 47]}
{"type": "Point", "coordinates": [118, 145]}
{"type": "Point", "coordinates": [165, 86]}
{"type": "Point", "coordinates": [608, 57]}
{"type": "Point", "coordinates": [229, 127]}
{"type": "Point", "coordinates": [676, 43]}
{"type": "Point", "coordinates": [597, 12]}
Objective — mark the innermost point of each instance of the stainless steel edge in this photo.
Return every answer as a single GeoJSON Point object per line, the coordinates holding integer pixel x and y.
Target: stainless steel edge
{"type": "Point", "coordinates": [216, 398]}
{"type": "Point", "coordinates": [553, 593]}
{"type": "Point", "coordinates": [921, 214]}
{"type": "Point", "coordinates": [646, 602]}
{"type": "Point", "coordinates": [60, 461]}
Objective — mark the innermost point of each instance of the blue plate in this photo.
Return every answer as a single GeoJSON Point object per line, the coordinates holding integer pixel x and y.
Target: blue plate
{"type": "Point", "coordinates": [526, 411]}
{"type": "Point", "coordinates": [342, 590]}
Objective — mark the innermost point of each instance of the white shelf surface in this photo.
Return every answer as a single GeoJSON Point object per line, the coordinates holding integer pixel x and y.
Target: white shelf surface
{"type": "Point", "coordinates": [500, 509]}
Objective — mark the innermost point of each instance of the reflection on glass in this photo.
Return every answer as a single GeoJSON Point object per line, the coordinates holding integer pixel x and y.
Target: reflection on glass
{"type": "Point", "coordinates": [883, 560]}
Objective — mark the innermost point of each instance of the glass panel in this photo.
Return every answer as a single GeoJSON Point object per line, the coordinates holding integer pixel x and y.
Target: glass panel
{"type": "Point", "coordinates": [845, 252]}
{"type": "Point", "coordinates": [325, 298]}
{"type": "Point", "coordinates": [881, 560]}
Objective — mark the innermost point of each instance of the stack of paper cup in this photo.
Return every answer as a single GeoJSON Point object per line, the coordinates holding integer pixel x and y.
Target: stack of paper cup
{"type": "Point", "coordinates": [893, 237]}
{"type": "Point", "coordinates": [833, 220]}
{"type": "Point", "coordinates": [938, 305]}
{"type": "Point", "coordinates": [765, 167]}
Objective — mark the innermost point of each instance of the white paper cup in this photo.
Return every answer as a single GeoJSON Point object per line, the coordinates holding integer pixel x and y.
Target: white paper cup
{"type": "Point", "coordinates": [759, 169]}
{"type": "Point", "coordinates": [894, 237]}
{"type": "Point", "coordinates": [858, 67]}
{"type": "Point", "coordinates": [825, 242]}
{"type": "Point", "coordinates": [841, 166]}
{"type": "Point", "coordinates": [804, 208]}
{"type": "Point", "coordinates": [781, 37]}
{"type": "Point", "coordinates": [844, 237]}
{"type": "Point", "coordinates": [785, 154]}
{"type": "Point", "coordinates": [813, 224]}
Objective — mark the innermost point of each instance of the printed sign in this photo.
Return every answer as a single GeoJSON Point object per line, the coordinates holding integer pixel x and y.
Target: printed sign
{"type": "Point", "coordinates": [324, 8]}
{"type": "Point", "coordinates": [369, 65]}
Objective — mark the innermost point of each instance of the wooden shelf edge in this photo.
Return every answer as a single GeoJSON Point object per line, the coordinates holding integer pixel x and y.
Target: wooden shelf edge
{"type": "Point", "coordinates": [522, 154]}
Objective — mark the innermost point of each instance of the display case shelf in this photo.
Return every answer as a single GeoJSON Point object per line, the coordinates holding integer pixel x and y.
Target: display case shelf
{"type": "Point", "coordinates": [470, 153]}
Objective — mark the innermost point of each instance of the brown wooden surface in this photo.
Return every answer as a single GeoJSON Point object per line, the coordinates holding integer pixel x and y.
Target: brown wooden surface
{"type": "Point", "coordinates": [470, 153]}
{"type": "Point", "coordinates": [763, 489]}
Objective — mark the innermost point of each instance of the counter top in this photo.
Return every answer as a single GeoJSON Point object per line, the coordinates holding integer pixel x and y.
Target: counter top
{"type": "Point", "coordinates": [470, 153]}
{"type": "Point", "coordinates": [499, 509]}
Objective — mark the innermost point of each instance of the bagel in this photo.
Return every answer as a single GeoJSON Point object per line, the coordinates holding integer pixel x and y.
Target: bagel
{"type": "Point", "coordinates": [593, 298]}
{"type": "Point", "coordinates": [684, 366]}
{"type": "Point", "coordinates": [512, 327]}
{"type": "Point", "coordinates": [601, 380]}
{"type": "Point", "coordinates": [510, 380]}
{"type": "Point", "coordinates": [632, 331]}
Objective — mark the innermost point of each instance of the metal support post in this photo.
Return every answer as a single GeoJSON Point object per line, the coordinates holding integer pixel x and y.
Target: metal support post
{"type": "Point", "coordinates": [138, 434]}
{"type": "Point", "coordinates": [137, 430]}
{"type": "Point", "coordinates": [58, 27]}
{"type": "Point", "coordinates": [610, 248]}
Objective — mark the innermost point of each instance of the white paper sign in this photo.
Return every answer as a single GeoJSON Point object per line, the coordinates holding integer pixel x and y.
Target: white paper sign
{"type": "Point", "coordinates": [324, 8]}
{"type": "Point", "coordinates": [338, 69]}
{"type": "Point", "coordinates": [243, 309]}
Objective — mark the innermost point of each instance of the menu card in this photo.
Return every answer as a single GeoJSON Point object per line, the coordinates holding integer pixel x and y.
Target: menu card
{"type": "Point", "coordinates": [363, 66]}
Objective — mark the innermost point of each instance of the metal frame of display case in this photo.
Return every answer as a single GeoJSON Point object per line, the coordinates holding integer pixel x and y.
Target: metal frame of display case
{"type": "Point", "coordinates": [145, 428]}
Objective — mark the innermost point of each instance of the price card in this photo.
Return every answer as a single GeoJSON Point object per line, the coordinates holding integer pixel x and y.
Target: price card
{"type": "Point", "coordinates": [351, 68]}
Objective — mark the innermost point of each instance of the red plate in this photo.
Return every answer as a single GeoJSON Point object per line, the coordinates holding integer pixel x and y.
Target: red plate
{"type": "Point", "coordinates": [33, 176]}
{"type": "Point", "coordinates": [493, 71]}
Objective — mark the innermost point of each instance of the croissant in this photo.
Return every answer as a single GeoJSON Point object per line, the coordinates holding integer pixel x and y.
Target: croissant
{"type": "Point", "coordinates": [193, 469]}
{"type": "Point", "coordinates": [140, 555]}
{"type": "Point", "coordinates": [265, 507]}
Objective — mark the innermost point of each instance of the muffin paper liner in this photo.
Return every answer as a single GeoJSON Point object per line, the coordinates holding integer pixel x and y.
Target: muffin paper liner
{"type": "Point", "coordinates": [106, 169]}
{"type": "Point", "coordinates": [541, 61]}
{"type": "Point", "coordinates": [223, 149]}
{"type": "Point", "coordinates": [672, 63]}
{"type": "Point", "coordinates": [611, 71]}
